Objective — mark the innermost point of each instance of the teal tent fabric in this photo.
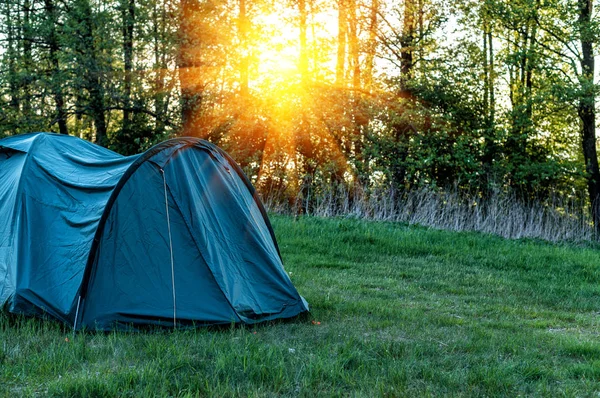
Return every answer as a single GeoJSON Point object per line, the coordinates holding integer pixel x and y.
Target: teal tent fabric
{"type": "Point", "coordinates": [175, 235]}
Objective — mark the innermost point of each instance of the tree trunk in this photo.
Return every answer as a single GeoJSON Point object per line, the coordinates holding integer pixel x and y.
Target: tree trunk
{"type": "Point", "coordinates": [243, 28]}
{"type": "Point", "coordinates": [531, 61]}
{"type": "Point", "coordinates": [91, 68]}
{"type": "Point", "coordinates": [492, 108]}
{"type": "Point", "coordinates": [128, 15]}
{"type": "Point", "coordinates": [303, 43]}
{"type": "Point", "coordinates": [353, 46]}
{"type": "Point", "coordinates": [489, 152]}
{"type": "Point", "coordinates": [486, 71]}
{"type": "Point", "coordinates": [13, 85]}
{"type": "Point", "coordinates": [27, 37]}
{"type": "Point", "coordinates": [158, 25]}
{"type": "Point", "coordinates": [407, 43]}
{"type": "Point", "coordinates": [586, 111]}
{"type": "Point", "coordinates": [191, 89]}
{"type": "Point", "coordinates": [371, 45]}
{"type": "Point", "coordinates": [340, 67]}
{"type": "Point", "coordinates": [61, 114]}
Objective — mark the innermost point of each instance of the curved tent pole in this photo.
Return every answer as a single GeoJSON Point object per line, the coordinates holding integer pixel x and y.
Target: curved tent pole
{"type": "Point", "coordinates": [183, 142]}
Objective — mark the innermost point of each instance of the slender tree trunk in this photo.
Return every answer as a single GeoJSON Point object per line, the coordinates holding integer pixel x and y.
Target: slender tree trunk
{"type": "Point", "coordinates": [371, 45]}
{"type": "Point", "coordinates": [54, 47]}
{"type": "Point", "coordinates": [11, 44]}
{"type": "Point", "coordinates": [486, 71]}
{"type": "Point", "coordinates": [128, 16]}
{"type": "Point", "coordinates": [91, 68]}
{"type": "Point", "coordinates": [340, 68]}
{"type": "Point", "coordinates": [522, 92]}
{"type": "Point", "coordinates": [586, 110]}
{"type": "Point", "coordinates": [531, 61]}
{"type": "Point", "coordinates": [420, 27]}
{"type": "Point", "coordinates": [359, 119]}
{"type": "Point", "coordinates": [303, 41]}
{"type": "Point", "coordinates": [243, 28]}
{"type": "Point", "coordinates": [191, 89]}
{"type": "Point", "coordinates": [407, 43]}
{"type": "Point", "coordinates": [520, 106]}
{"type": "Point", "coordinates": [27, 37]}
{"type": "Point", "coordinates": [159, 81]}
{"type": "Point", "coordinates": [491, 85]}
{"type": "Point", "coordinates": [353, 43]}
{"type": "Point", "coordinates": [489, 150]}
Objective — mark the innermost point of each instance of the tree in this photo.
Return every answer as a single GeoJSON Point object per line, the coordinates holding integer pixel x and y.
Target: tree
{"type": "Point", "coordinates": [89, 68]}
{"type": "Point", "coordinates": [586, 107]}
{"type": "Point", "coordinates": [128, 23]}
{"type": "Point", "coordinates": [56, 80]}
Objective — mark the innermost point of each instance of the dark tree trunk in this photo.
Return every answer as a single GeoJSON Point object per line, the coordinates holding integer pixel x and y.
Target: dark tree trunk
{"type": "Point", "coordinates": [531, 61]}
{"type": "Point", "coordinates": [27, 37]}
{"type": "Point", "coordinates": [407, 43]}
{"type": "Point", "coordinates": [587, 113]}
{"type": "Point", "coordinates": [92, 69]}
{"type": "Point", "coordinates": [128, 15]}
{"type": "Point", "coordinates": [489, 150]}
{"type": "Point", "coordinates": [187, 61]}
{"type": "Point", "coordinates": [57, 92]}
{"type": "Point", "coordinates": [492, 109]}
{"type": "Point", "coordinates": [158, 24]}
{"type": "Point", "coordinates": [11, 44]}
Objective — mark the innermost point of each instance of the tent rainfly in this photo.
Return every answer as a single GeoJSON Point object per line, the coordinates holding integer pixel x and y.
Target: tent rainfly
{"type": "Point", "coordinates": [174, 236]}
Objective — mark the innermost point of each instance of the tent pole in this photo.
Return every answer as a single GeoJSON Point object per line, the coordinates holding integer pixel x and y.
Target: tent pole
{"type": "Point", "coordinates": [76, 315]}
{"type": "Point", "coordinates": [171, 250]}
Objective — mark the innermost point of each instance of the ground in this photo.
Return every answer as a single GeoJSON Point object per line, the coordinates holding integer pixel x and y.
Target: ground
{"type": "Point", "coordinates": [395, 311]}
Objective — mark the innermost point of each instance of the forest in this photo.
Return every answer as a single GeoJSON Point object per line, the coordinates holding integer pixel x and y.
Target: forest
{"type": "Point", "coordinates": [350, 100]}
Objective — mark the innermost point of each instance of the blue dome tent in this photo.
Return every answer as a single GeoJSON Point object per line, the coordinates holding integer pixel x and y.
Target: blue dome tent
{"type": "Point", "coordinates": [173, 236]}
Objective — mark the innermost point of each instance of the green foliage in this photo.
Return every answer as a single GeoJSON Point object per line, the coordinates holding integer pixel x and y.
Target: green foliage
{"type": "Point", "coordinates": [485, 95]}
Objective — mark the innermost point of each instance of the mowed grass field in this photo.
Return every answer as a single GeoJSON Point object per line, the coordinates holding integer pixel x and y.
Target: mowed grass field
{"type": "Point", "coordinates": [395, 311]}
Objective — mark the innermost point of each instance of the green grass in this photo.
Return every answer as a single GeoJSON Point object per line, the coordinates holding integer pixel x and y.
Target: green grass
{"type": "Point", "coordinates": [403, 311]}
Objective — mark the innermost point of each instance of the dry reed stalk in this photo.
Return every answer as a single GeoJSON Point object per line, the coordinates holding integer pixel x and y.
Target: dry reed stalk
{"type": "Point", "coordinates": [500, 213]}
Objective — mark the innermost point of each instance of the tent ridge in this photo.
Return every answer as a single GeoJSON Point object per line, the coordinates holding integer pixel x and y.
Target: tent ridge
{"type": "Point", "coordinates": [109, 204]}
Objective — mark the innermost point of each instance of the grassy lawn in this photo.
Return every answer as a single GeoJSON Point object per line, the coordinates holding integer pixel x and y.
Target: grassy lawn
{"type": "Point", "coordinates": [395, 311]}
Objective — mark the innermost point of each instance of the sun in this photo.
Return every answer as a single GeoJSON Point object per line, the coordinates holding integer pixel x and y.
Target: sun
{"type": "Point", "coordinates": [276, 51]}
{"type": "Point", "coordinates": [275, 47]}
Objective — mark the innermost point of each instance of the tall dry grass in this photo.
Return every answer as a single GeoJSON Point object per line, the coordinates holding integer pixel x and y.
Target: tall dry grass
{"type": "Point", "coordinates": [500, 213]}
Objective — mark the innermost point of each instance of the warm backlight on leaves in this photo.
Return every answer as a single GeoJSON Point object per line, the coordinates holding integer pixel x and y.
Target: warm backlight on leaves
{"type": "Point", "coordinates": [323, 99]}
{"type": "Point", "coordinates": [280, 53]}
{"type": "Point", "coordinates": [284, 69]}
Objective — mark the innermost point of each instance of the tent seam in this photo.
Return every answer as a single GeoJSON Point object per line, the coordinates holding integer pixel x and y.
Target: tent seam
{"type": "Point", "coordinates": [201, 254]}
{"type": "Point", "coordinates": [170, 249]}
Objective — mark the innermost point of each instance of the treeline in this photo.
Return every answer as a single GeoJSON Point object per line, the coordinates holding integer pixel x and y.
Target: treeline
{"type": "Point", "coordinates": [481, 95]}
